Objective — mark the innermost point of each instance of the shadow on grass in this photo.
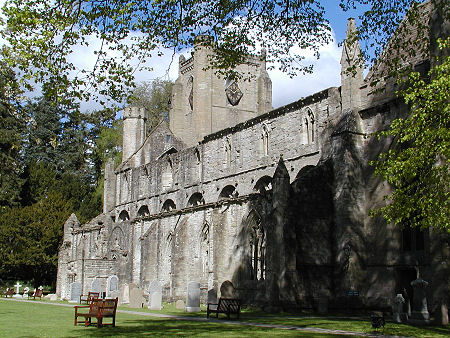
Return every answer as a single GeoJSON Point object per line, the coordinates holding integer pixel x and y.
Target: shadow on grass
{"type": "Point", "coordinates": [169, 328]}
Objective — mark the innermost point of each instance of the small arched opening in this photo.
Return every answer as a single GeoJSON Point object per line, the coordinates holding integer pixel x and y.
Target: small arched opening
{"type": "Point", "coordinates": [168, 205]}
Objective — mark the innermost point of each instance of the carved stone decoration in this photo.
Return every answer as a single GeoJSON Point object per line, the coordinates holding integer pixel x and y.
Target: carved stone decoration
{"type": "Point", "coordinates": [234, 94]}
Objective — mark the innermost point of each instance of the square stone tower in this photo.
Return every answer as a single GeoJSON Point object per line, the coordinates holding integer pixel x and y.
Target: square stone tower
{"type": "Point", "coordinates": [204, 103]}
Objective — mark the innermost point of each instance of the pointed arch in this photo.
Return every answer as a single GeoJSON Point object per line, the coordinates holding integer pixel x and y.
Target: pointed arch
{"type": "Point", "coordinates": [257, 246]}
{"type": "Point", "coordinates": [167, 175]}
{"type": "Point", "coordinates": [265, 140]}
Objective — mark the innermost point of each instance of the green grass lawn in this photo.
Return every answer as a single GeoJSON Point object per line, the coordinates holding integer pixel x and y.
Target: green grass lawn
{"type": "Point", "coordinates": [32, 319]}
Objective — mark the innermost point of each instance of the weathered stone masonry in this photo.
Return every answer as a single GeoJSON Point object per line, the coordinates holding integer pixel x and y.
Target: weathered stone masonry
{"type": "Point", "coordinates": [275, 201]}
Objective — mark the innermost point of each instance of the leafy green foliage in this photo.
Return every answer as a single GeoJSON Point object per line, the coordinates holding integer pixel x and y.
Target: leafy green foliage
{"type": "Point", "coordinates": [29, 239]}
{"type": "Point", "coordinates": [155, 97]}
{"type": "Point", "coordinates": [418, 163]}
{"type": "Point", "coordinates": [42, 34]}
{"type": "Point", "coordinates": [12, 126]}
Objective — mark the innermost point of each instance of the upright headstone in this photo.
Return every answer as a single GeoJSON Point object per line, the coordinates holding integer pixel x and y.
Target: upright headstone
{"type": "Point", "coordinates": [193, 297]}
{"type": "Point", "coordinates": [125, 294]}
{"type": "Point", "coordinates": [398, 314]}
{"type": "Point", "coordinates": [75, 292]}
{"type": "Point", "coordinates": [212, 296]}
{"type": "Point", "coordinates": [25, 292]}
{"type": "Point", "coordinates": [179, 304]}
{"type": "Point", "coordinates": [441, 315]}
{"type": "Point", "coordinates": [227, 289]}
{"type": "Point", "coordinates": [155, 296]}
{"type": "Point", "coordinates": [112, 285]}
{"type": "Point", "coordinates": [96, 285]}
{"type": "Point", "coordinates": [419, 313]}
{"type": "Point", "coordinates": [136, 296]}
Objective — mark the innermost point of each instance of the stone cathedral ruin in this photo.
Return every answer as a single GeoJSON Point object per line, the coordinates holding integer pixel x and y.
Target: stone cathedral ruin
{"type": "Point", "coordinates": [276, 201]}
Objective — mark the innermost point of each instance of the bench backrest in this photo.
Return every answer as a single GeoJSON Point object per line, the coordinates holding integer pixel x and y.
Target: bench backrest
{"type": "Point", "coordinates": [95, 306]}
{"type": "Point", "coordinates": [93, 295]}
{"type": "Point", "coordinates": [229, 305]}
{"type": "Point", "coordinates": [9, 292]}
{"type": "Point", "coordinates": [109, 307]}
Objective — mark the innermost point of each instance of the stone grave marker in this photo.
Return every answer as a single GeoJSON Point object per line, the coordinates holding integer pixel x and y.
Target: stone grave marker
{"type": "Point", "coordinates": [212, 296]}
{"type": "Point", "coordinates": [155, 296]}
{"type": "Point", "coordinates": [179, 304]}
{"type": "Point", "coordinates": [227, 289]}
{"type": "Point", "coordinates": [25, 292]}
{"type": "Point", "coordinates": [75, 292]}
{"type": "Point", "coordinates": [112, 285]}
{"type": "Point", "coordinates": [193, 297]}
{"type": "Point", "coordinates": [397, 313]}
{"type": "Point", "coordinates": [124, 294]}
{"type": "Point", "coordinates": [419, 314]}
{"type": "Point", "coordinates": [96, 285]}
{"type": "Point", "coordinates": [17, 286]}
{"type": "Point", "coordinates": [136, 296]}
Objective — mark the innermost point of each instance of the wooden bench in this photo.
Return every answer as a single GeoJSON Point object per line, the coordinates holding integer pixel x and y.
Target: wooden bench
{"type": "Point", "coordinates": [9, 292]}
{"type": "Point", "coordinates": [37, 293]}
{"type": "Point", "coordinates": [99, 309]}
{"type": "Point", "coordinates": [226, 305]}
{"type": "Point", "coordinates": [86, 299]}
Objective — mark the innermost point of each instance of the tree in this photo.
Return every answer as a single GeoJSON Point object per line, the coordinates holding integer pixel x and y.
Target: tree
{"type": "Point", "coordinates": [417, 165]}
{"type": "Point", "coordinates": [12, 126]}
{"type": "Point", "coordinates": [30, 237]}
{"type": "Point", "coordinates": [155, 98]}
{"type": "Point", "coordinates": [42, 35]}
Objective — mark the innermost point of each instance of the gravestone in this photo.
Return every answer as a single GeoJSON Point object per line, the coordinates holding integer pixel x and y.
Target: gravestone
{"type": "Point", "coordinates": [155, 296]}
{"type": "Point", "coordinates": [227, 289]}
{"type": "Point", "coordinates": [179, 304]}
{"type": "Point", "coordinates": [96, 285]}
{"type": "Point", "coordinates": [398, 314]}
{"type": "Point", "coordinates": [17, 286]}
{"type": "Point", "coordinates": [193, 297]}
{"type": "Point", "coordinates": [419, 313]}
{"type": "Point", "coordinates": [75, 292]}
{"type": "Point", "coordinates": [322, 304]}
{"type": "Point", "coordinates": [136, 297]}
{"type": "Point", "coordinates": [112, 285]}
{"type": "Point", "coordinates": [125, 294]}
{"type": "Point", "coordinates": [212, 296]}
{"type": "Point", "coordinates": [25, 292]}
{"type": "Point", "coordinates": [441, 315]}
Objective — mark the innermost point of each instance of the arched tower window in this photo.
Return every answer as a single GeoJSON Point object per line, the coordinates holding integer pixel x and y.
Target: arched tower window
{"type": "Point", "coordinates": [257, 247]}
{"type": "Point", "coordinates": [308, 129]}
{"type": "Point", "coordinates": [227, 152]}
{"type": "Point", "coordinates": [204, 248]}
{"type": "Point", "coordinates": [265, 140]}
{"type": "Point", "coordinates": [167, 175]}
{"type": "Point", "coordinates": [190, 87]}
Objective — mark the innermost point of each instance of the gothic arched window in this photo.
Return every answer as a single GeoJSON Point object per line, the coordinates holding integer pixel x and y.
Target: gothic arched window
{"type": "Point", "coordinates": [257, 247]}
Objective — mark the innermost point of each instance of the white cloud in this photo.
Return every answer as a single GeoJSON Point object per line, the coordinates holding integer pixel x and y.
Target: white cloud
{"type": "Point", "coordinates": [326, 74]}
